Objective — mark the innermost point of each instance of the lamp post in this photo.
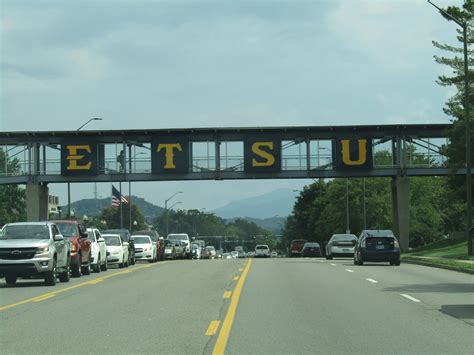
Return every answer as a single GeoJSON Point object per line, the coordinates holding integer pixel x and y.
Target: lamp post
{"type": "Point", "coordinates": [174, 204]}
{"type": "Point", "coordinates": [69, 184]}
{"type": "Point", "coordinates": [130, 190]}
{"type": "Point", "coordinates": [348, 230]}
{"type": "Point", "coordinates": [166, 207]}
{"type": "Point", "coordinates": [467, 123]}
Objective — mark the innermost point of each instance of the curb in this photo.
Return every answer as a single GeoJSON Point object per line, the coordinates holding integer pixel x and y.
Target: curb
{"type": "Point", "coordinates": [439, 266]}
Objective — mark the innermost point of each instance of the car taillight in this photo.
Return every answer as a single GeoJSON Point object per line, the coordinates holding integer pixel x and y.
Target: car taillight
{"type": "Point", "coordinates": [362, 244]}
{"type": "Point", "coordinates": [396, 244]}
{"type": "Point", "coordinates": [74, 247]}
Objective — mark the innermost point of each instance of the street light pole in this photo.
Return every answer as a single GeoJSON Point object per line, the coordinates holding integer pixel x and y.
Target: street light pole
{"type": "Point", "coordinates": [166, 208]}
{"type": "Point", "coordinates": [69, 184]}
{"type": "Point", "coordinates": [347, 206]}
{"type": "Point", "coordinates": [174, 204]}
{"type": "Point", "coordinates": [467, 123]}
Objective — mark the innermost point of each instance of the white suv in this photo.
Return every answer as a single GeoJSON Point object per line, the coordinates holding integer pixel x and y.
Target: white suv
{"type": "Point", "coordinates": [262, 250]}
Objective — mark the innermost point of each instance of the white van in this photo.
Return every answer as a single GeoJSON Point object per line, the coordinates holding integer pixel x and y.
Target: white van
{"type": "Point", "coordinates": [262, 251]}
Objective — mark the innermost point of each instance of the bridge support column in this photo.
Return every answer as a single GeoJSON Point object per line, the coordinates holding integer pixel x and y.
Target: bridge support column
{"type": "Point", "coordinates": [401, 210]}
{"type": "Point", "coordinates": [36, 202]}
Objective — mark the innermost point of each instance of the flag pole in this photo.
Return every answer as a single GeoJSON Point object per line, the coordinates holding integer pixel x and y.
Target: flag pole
{"type": "Point", "coordinates": [121, 206]}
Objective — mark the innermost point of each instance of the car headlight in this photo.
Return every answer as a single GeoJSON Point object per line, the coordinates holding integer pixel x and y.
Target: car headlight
{"type": "Point", "coordinates": [396, 244]}
{"type": "Point", "coordinates": [42, 250]}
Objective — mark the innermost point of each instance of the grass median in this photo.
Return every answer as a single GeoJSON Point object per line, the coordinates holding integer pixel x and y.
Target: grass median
{"type": "Point", "coordinates": [445, 254]}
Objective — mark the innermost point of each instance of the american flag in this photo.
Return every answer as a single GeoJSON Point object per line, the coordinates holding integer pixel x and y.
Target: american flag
{"type": "Point", "coordinates": [117, 197]}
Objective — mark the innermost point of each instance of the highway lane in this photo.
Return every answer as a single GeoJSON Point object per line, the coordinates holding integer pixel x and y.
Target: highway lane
{"type": "Point", "coordinates": [286, 306]}
{"type": "Point", "coordinates": [309, 306]}
{"type": "Point", "coordinates": [165, 307]}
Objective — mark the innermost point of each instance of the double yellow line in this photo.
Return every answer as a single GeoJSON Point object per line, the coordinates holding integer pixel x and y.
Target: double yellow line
{"type": "Point", "coordinates": [91, 282]}
{"type": "Point", "coordinates": [221, 343]}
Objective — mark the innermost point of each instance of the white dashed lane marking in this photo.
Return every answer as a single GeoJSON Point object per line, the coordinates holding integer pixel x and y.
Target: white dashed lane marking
{"type": "Point", "coordinates": [410, 297]}
{"type": "Point", "coordinates": [372, 280]}
{"type": "Point", "coordinates": [349, 270]}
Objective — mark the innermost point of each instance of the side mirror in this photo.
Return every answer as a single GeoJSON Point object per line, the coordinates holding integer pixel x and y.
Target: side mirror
{"type": "Point", "coordinates": [58, 238]}
{"type": "Point", "coordinates": [101, 240]}
{"type": "Point", "coordinates": [154, 243]}
{"type": "Point", "coordinates": [125, 244]}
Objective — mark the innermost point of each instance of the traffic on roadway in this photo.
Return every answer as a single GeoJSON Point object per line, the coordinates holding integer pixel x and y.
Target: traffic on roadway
{"type": "Point", "coordinates": [345, 298]}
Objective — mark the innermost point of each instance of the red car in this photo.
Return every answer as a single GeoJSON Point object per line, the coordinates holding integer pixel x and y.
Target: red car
{"type": "Point", "coordinates": [296, 247]}
{"type": "Point", "coordinates": [76, 233]}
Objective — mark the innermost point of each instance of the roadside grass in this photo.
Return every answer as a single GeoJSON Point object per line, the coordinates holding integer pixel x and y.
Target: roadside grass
{"type": "Point", "coordinates": [443, 253]}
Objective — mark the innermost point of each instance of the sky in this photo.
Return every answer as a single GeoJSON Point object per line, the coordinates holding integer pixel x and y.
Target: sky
{"type": "Point", "coordinates": [182, 64]}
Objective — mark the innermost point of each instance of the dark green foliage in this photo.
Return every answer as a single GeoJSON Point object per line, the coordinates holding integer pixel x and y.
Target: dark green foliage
{"type": "Point", "coordinates": [12, 197]}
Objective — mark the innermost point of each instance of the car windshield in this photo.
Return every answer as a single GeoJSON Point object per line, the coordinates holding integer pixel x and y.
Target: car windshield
{"type": "Point", "coordinates": [122, 232]}
{"type": "Point", "coordinates": [210, 248]}
{"type": "Point", "coordinates": [112, 241]}
{"type": "Point", "coordinates": [343, 238]}
{"type": "Point", "coordinates": [141, 240]}
{"type": "Point", "coordinates": [168, 243]}
{"type": "Point", "coordinates": [67, 229]}
{"type": "Point", "coordinates": [91, 235]}
{"type": "Point", "coordinates": [35, 231]}
{"type": "Point", "coordinates": [261, 247]}
{"type": "Point", "coordinates": [177, 237]}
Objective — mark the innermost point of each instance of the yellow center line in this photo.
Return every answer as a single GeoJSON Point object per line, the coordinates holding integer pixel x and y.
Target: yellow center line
{"type": "Point", "coordinates": [227, 294]}
{"type": "Point", "coordinates": [212, 329]}
{"type": "Point", "coordinates": [44, 298]}
{"type": "Point", "coordinates": [221, 343]}
{"type": "Point", "coordinates": [54, 293]}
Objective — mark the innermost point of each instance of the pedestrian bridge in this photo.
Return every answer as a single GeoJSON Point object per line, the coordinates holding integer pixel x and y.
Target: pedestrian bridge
{"type": "Point", "coordinates": [398, 151]}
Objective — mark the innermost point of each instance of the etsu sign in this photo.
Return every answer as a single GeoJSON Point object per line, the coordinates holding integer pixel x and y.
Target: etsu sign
{"type": "Point", "coordinates": [173, 154]}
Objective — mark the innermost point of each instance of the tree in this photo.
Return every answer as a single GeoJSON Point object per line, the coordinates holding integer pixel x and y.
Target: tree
{"type": "Point", "coordinates": [12, 197]}
{"type": "Point", "coordinates": [455, 106]}
{"type": "Point", "coordinates": [111, 216]}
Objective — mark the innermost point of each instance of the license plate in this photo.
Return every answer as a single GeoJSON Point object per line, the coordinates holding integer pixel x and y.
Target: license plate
{"type": "Point", "coordinates": [379, 247]}
{"type": "Point", "coordinates": [346, 250]}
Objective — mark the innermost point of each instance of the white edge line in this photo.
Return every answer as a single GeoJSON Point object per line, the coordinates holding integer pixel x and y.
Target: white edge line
{"type": "Point", "coordinates": [410, 297]}
{"type": "Point", "coordinates": [372, 280]}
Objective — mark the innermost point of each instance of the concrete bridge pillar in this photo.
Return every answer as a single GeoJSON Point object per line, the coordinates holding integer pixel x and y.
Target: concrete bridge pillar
{"type": "Point", "coordinates": [36, 202]}
{"type": "Point", "coordinates": [401, 210]}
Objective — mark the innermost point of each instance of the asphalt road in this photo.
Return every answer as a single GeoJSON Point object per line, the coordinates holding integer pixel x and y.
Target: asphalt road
{"type": "Point", "coordinates": [272, 306]}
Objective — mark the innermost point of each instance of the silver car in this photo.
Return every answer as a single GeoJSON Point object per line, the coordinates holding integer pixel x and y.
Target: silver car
{"type": "Point", "coordinates": [34, 249]}
{"type": "Point", "coordinates": [341, 245]}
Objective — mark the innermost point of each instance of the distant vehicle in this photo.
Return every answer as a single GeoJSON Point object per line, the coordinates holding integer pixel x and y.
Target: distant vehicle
{"type": "Point", "coordinates": [76, 233]}
{"type": "Point", "coordinates": [274, 254]}
{"type": "Point", "coordinates": [296, 247]}
{"type": "Point", "coordinates": [35, 249]}
{"type": "Point", "coordinates": [239, 248]}
{"type": "Point", "coordinates": [234, 254]}
{"type": "Point", "coordinates": [196, 250]}
{"type": "Point", "coordinates": [155, 237]}
{"type": "Point", "coordinates": [210, 252]}
{"type": "Point", "coordinates": [98, 250]}
{"type": "Point", "coordinates": [378, 246]}
{"type": "Point", "coordinates": [226, 256]}
{"type": "Point", "coordinates": [262, 250]}
{"type": "Point", "coordinates": [179, 249]}
{"type": "Point", "coordinates": [145, 248]}
{"type": "Point", "coordinates": [182, 237]}
{"type": "Point", "coordinates": [127, 239]}
{"type": "Point", "coordinates": [311, 249]}
{"type": "Point", "coordinates": [117, 250]}
{"type": "Point", "coordinates": [340, 245]}
{"type": "Point", "coordinates": [169, 251]}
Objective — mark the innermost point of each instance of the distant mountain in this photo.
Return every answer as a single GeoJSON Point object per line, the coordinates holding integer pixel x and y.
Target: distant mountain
{"type": "Point", "coordinates": [92, 207]}
{"type": "Point", "coordinates": [276, 203]}
{"type": "Point", "coordinates": [273, 224]}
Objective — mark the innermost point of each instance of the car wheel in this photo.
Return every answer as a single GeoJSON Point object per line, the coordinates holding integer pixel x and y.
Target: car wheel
{"type": "Point", "coordinates": [103, 267]}
{"type": "Point", "coordinates": [329, 257]}
{"type": "Point", "coordinates": [122, 264]}
{"type": "Point", "coordinates": [10, 279]}
{"type": "Point", "coordinates": [86, 270]}
{"type": "Point", "coordinates": [51, 276]}
{"type": "Point", "coordinates": [97, 266]}
{"type": "Point", "coordinates": [396, 263]}
{"type": "Point", "coordinates": [76, 268]}
{"type": "Point", "coordinates": [359, 260]}
{"type": "Point", "coordinates": [132, 260]}
{"type": "Point", "coordinates": [64, 276]}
